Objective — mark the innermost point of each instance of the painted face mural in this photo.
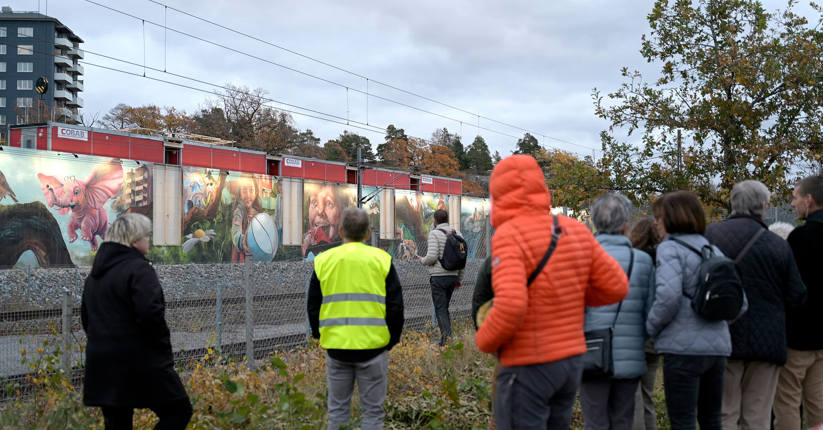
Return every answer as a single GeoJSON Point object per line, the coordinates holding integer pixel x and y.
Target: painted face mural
{"type": "Point", "coordinates": [323, 209]}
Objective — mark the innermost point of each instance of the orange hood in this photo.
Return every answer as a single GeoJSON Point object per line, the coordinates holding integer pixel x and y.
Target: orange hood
{"type": "Point", "coordinates": [518, 188]}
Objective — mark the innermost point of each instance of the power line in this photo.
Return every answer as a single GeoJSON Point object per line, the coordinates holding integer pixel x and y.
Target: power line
{"type": "Point", "coordinates": [327, 64]}
{"type": "Point", "coordinates": [366, 93]}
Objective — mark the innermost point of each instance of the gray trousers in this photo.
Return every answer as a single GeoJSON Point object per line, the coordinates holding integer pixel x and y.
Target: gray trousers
{"type": "Point", "coordinates": [748, 394]}
{"type": "Point", "coordinates": [371, 383]}
{"type": "Point", "coordinates": [538, 396]}
{"type": "Point", "coordinates": [645, 414]}
{"type": "Point", "coordinates": [608, 404]}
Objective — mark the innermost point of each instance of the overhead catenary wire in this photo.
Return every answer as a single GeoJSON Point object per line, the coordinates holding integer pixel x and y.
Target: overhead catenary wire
{"type": "Point", "coordinates": [359, 75]}
{"type": "Point", "coordinates": [331, 82]}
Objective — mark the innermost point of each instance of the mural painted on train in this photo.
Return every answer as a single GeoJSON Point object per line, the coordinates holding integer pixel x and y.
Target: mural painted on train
{"type": "Point", "coordinates": [55, 209]}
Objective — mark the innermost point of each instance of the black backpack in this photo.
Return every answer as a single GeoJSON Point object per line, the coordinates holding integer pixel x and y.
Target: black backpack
{"type": "Point", "coordinates": [719, 292]}
{"type": "Point", "coordinates": [455, 252]}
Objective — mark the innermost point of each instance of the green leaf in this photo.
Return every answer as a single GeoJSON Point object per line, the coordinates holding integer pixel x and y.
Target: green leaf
{"type": "Point", "coordinates": [230, 385]}
{"type": "Point", "coordinates": [278, 363]}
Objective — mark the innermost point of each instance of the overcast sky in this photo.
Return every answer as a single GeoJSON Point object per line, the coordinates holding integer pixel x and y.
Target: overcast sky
{"type": "Point", "coordinates": [532, 64]}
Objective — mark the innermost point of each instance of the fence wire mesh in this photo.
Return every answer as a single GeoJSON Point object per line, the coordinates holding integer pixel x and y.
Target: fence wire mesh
{"type": "Point", "coordinates": [207, 306]}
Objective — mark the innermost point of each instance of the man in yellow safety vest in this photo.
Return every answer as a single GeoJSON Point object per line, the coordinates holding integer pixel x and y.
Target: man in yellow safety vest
{"type": "Point", "coordinates": [355, 308]}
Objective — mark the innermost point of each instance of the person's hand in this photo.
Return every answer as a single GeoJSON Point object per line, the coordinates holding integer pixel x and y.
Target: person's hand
{"type": "Point", "coordinates": [420, 259]}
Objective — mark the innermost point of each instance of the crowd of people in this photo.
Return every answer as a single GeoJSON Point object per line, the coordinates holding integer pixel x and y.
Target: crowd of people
{"type": "Point", "coordinates": [566, 313]}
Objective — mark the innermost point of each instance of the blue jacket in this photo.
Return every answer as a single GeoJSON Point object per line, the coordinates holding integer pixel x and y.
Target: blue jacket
{"type": "Point", "coordinates": [678, 329]}
{"type": "Point", "coordinates": [630, 326]}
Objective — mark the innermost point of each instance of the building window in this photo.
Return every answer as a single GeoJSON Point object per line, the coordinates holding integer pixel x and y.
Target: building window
{"type": "Point", "coordinates": [2, 31]}
{"type": "Point", "coordinates": [2, 120]}
{"type": "Point", "coordinates": [24, 84]}
{"type": "Point", "coordinates": [2, 49]}
{"type": "Point", "coordinates": [2, 67]}
{"type": "Point", "coordinates": [24, 102]}
{"type": "Point", "coordinates": [25, 67]}
{"type": "Point", "coordinates": [25, 32]}
{"type": "Point", "coordinates": [2, 102]}
{"type": "Point", "coordinates": [25, 50]}
{"type": "Point", "coordinates": [2, 84]}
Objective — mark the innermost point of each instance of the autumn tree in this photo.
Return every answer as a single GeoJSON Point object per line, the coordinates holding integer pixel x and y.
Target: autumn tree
{"type": "Point", "coordinates": [395, 137]}
{"type": "Point", "coordinates": [334, 152]}
{"type": "Point", "coordinates": [477, 156]}
{"type": "Point", "coordinates": [574, 182]}
{"type": "Point", "coordinates": [439, 160]}
{"type": "Point", "coordinates": [149, 117]}
{"type": "Point", "coordinates": [452, 141]}
{"type": "Point", "coordinates": [738, 96]}
{"type": "Point", "coordinates": [211, 121]}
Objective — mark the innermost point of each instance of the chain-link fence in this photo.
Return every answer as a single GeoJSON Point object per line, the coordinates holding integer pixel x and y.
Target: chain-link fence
{"type": "Point", "coordinates": [245, 310]}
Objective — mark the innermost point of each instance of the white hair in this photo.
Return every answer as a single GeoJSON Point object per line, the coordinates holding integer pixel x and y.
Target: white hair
{"type": "Point", "coordinates": [129, 228]}
{"type": "Point", "coordinates": [781, 228]}
{"type": "Point", "coordinates": [749, 197]}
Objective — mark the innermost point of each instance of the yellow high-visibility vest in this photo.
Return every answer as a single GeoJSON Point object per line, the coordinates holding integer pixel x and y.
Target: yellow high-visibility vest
{"type": "Point", "coordinates": [353, 282]}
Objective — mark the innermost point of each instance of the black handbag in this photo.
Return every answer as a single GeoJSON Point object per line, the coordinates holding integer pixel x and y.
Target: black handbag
{"type": "Point", "coordinates": [598, 362]}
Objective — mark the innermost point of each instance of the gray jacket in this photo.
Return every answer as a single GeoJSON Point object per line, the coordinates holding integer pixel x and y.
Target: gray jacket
{"type": "Point", "coordinates": [437, 242]}
{"type": "Point", "coordinates": [630, 325]}
{"type": "Point", "coordinates": [678, 329]}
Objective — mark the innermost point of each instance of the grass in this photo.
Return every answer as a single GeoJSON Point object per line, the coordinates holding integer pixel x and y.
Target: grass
{"type": "Point", "coordinates": [428, 387]}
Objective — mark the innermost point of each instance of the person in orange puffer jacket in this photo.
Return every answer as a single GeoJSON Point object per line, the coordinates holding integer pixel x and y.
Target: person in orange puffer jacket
{"type": "Point", "coordinates": [537, 331]}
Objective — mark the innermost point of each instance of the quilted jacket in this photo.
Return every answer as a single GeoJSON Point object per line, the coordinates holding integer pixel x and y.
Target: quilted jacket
{"type": "Point", "coordinates": [679, 330]}
{"type": "Point", "coordinates": [630, 325]}
{"type": "Point", "coordinates": [771, 281]}
{"type": "Point", "coordinates": [544, 322]}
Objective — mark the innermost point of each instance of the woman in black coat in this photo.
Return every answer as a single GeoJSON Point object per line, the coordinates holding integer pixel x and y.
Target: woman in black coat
{"type": "Point", "coordinates": [129, 362]}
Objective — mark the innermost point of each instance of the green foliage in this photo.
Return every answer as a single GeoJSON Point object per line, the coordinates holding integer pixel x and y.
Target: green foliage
{"type": "Point", "coordinates": [477, 157]}
{"type": "Point", "coordinates": [529, 145]}
{"type": "Point", "coordinates": [738, 97]}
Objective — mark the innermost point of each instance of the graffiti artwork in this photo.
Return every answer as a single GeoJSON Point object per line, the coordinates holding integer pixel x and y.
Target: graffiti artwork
{"type": "Point", "coordinates": [323, 206]}
{"type": "Point", "coordinates": [228, 217]}
{"type": "Point", "coordinates": [56, 210]}
{"type": "Point", "coordinates": [474, 220]}
{"type": "Point", "coordinates": [414, 219]}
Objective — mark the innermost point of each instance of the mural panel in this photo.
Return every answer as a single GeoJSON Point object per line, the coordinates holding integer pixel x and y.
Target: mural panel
{"type": "Point", "coordinates": [55, 209]}
{"type": "Point", "coordinates": [474, 220]}
{"type": "Point", "coordinates": [227, 217]}
{"type": "Point", "coordinates": [323, 206]}
{"type": "Point", "coordinates": [414, 219]}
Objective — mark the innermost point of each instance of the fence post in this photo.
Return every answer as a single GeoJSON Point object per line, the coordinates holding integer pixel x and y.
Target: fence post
{"type": "Point", "coordinates": [219, 322]}
{"type": "Point", "coordinates": [488, 236]}
{"type": "Point", "coordinates": [66, 358]}
{"type": "Point", "coordinates": [249, 315]}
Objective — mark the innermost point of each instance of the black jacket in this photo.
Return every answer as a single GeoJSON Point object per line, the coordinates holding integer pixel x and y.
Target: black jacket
{"type": "Point", "coordinates": [771, 282]}
{"type": "Point", "coordinates": [482, 288]}
{"type": "Point", "coordinates": [129, 359]}
{"type": "Point", "coordinates": [804, 323]}
{"type": "Point", "coordinates": [394, 318]}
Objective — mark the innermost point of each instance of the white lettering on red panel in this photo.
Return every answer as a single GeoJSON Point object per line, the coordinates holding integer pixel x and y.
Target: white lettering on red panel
{"type": "Point", "coordinates": [293, 162]}
{"type": "Point", "coordinates": [72, 133]}
{"type": "Point", "coordinates": [427, 180]}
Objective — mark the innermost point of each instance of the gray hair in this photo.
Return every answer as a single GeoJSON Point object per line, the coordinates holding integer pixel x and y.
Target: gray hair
{"type": "Point", "coordinates": [781, 229]}
{"type": "Point", "coordinates": [610, 213]}
{"type": "Point", "coordinates": [748, 198]}
{"type": "Point", "coordinates": [129, 228]}
{"type": "Point", "coordinates": [355, 224]}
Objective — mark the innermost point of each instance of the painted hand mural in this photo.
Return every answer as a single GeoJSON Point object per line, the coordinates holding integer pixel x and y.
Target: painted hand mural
{"type": "Point", "coordinates": [85, 200]}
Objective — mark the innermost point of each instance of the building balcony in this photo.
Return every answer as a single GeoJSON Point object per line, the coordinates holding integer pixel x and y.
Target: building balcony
{"type": "Point", "coordinates": [63, 61]}
{"type": "Point", "coordinates": [75, 85]}
{"type": "Point", "coordinates": [62, 77]}
{"type": "Point", "coordinates": [63, 94]}
{"type": "Point", "coordinates": [63, 42]}
{"type": "Point", "coordinates": [76, 101]}
{"type": "Point", "coordinates": [76, 69]}
{"type": "Point", "coordinates": [77, 53]}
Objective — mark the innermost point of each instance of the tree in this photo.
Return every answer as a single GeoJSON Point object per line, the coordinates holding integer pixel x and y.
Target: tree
{"type": "Point", "coordinates": [334, 152]}
{"type": "Point", "coordinates": [439, 160]}
{"type": "Point", "coordinates": [305, 144]}
{"type": "Point", "coordinates": [349, 142]}
{"type": "Point", "coordinates": [117, 117]}
{"type": "Point", "coordinates": [212, 121]}
{"type": "Point", "coordinates": [528, 145]}
{"type": "Point", "coordinates": [477, 157]}
{"type": "Point", "coordinates": [574, 182]}
{"type": "Point", "coordinates": [394, 138]}
{"type": "Point", "coordinates": [442, 137]}
{"type": "Point", "coordinates": [738, 97]}
{"type": "Point", "coordinates": [496, 158]}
